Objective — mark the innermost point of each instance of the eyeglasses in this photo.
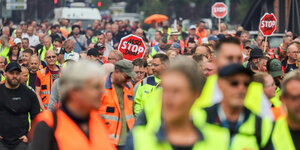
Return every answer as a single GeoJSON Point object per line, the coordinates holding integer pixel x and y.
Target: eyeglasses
{"type": "Point", "coordinates": [49, 57]}
{"type": "Point", "coordinates": [109, 58]}
{"type": "Point", "coordinates": [237, 83]}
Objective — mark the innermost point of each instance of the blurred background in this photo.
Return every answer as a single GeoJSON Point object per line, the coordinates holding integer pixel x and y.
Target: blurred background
{"type": "Point", "coordinates": [241, 12]}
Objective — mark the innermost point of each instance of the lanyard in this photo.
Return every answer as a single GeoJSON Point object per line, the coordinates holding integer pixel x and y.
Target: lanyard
{"type": "Point", "coordinates": [224, 122]}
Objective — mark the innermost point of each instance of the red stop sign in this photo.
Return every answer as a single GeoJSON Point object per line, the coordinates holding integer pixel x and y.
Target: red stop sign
{"type": "Point", "coordinates": [268, 24]}
{"type": "Point", "coordinates": [132, 47]}
{"type": "Point", "coordinates": [219, 10]}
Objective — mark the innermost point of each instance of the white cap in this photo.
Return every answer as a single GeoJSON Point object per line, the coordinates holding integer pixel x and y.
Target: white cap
{"type": "Point", "coordinates": [17, 41]}
{"type": "Point", "coordinates": [73, 56]}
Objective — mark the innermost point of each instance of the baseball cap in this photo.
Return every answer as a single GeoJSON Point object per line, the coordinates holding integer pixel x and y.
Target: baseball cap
{"type": "Point", "coordinates": [93, 52]}
{"type": "Point", "coordinates": [233, 69]}
{"type": "Point", "coordinates": [125, 66]}
{"type": "Point", "coordinates": [274, 67]}
{"type": "Point", "coordinates": [13, 66]}
{"type": "Point", "coordinates": [213, 38]}
{"type": "Point", "coordinates": [193, 27]}
{"type": "Point", "coordinates": [73, 56]}
{"type": "Point", "coordinates": [256, 53]}
{"type": "Point", "coordinates": [17, 41]}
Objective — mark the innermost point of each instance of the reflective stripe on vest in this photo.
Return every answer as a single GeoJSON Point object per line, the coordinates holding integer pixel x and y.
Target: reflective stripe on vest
{"type": "Point", "coordinates": [111, 111]}
{"type": "Point", "coordinates": [45, 92]}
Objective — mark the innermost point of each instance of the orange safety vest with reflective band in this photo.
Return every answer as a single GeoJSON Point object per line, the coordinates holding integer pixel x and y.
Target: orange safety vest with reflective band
{"type": "Point", "coordinates": [69, 136]}
{"type": "Point", "coordinates": [111, 112]}
{"type": "Point", "coordinates": [45, 77]}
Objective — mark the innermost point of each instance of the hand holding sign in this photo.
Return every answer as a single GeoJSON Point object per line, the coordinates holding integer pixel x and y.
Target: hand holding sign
{"type": "Point", "coordinates": [267, 26]}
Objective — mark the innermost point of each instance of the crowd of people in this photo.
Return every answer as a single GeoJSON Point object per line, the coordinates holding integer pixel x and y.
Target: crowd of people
{"type": "Point", "coordinates": [68, 87]}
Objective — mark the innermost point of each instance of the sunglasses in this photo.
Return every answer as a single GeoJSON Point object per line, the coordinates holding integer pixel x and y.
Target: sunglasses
{"type": "Point", "coordinates": [237, 83]}
{"type": "Point", "coordinates": [49, 57]}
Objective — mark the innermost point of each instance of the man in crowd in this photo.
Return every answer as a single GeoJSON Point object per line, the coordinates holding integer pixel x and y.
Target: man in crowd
{"type": "Point", "coordinates": [93, 54]}
{"type": "Point", "coordinates": [33, 39]}
{"type": "Point", "coordinates": [45, 78]}
{"type": "Point", "coordinates": [77, 118]}
{"type": "Point", "coordinates": [25, 43]}
{"type": "Point", "coordinates": [139, 67]}
{"type": "Point", "coordinates": [80, 42]}
{"type": "Point", "coordinates": [287, 129]}
{"type": "Point", "coordinates": [117, 102]}
{"type": "Point", "coordinates": [231, 113]}
{"type": "Point", "coordinates": [26, 54]}
{"type": "Point", "coordinates": [46, 47]}
{"type": "Point", "coordinates": [34, 66]}
{"type": "Point", "coordinates": [17, 103]}
{"type": "Point", "coordinates": [289, 63]}
{"type": "Point", "coordinates": [114, 57]}
{"type": "Point", "coordinates": [159, 64]}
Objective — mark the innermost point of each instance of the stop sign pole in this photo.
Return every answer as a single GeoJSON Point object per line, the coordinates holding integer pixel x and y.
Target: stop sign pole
{"type": "Point", "coordinates": [267, 26]}
{"type": "Point", "coordinates": [219, 10]}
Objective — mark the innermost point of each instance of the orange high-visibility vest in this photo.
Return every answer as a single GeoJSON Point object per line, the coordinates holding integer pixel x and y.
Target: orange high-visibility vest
{"type": "Point", "coordinates": [69, 136]}
{"type": "Point", "coordinates": [201, 34]}
{"type": "Point", "coordinates": [45, 77]}
{"type": "Point", "coordinates": [111, 112]}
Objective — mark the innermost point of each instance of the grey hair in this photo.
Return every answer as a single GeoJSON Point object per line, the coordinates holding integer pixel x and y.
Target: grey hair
{"type": "Point", "coordinates": [5, 28]}
{"type": "Point", "coordinates": [189, 68]}
{"type": "Point", "coordinates": [75, 75]}
{"type": "Point", "coordinates": [293, 75]}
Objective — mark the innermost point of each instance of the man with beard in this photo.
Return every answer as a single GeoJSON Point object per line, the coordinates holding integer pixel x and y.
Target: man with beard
{"type": "Point", "coordinates": [17, 102]}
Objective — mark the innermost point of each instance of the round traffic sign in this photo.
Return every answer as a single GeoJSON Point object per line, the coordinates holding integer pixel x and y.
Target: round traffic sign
{"type": "Point", "coordinates": [219, 10]}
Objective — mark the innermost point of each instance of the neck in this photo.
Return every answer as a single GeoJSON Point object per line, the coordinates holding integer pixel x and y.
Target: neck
{"type": "Point", "coordinates": [77, 110]}
{"type": "Point", "coordinates": [181, 124]}
{"type": "Point", "coordinates": [231, 113]}
{"type": "Point", "coordinates": [293, 124]}
{"type": "Point", "coordinates": [11, 87]}
{"type": "Point", "coordinates": [52, 67]}
{"type": "Point", "coordinates": [291, 61]}
{"type": "Point", "coordinates": [77, 35]}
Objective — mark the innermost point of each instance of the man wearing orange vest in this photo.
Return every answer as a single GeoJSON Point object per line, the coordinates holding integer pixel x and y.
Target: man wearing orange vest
{"type": "Point", "coordinates": [201, 31]}
{"type": "Point", "coordinates": [117, 102]}
{"type": "Point", "coordinates": [76, 125]}
{"type": "Point", "coordinates": [45, 78]}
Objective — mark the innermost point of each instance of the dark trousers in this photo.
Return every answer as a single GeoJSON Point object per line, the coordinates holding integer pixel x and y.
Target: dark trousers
{"type": "Point", "coordinates": [20, 146]}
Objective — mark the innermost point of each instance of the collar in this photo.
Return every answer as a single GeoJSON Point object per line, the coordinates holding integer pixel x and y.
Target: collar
{"type": "Point", "coordinates": [214, 118]}
{"type": "Point", "coordinates": [161, 135]}
{"type": "Point", "coordinates": [47, 69]}
{"type": "Point", "coordinates": [108, 83]}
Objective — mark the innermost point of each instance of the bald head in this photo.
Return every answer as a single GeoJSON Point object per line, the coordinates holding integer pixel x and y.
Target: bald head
{"type": "Point", "coordinates": [34, 63]}
{"type": "Point", "coordinates": [50, 58]}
